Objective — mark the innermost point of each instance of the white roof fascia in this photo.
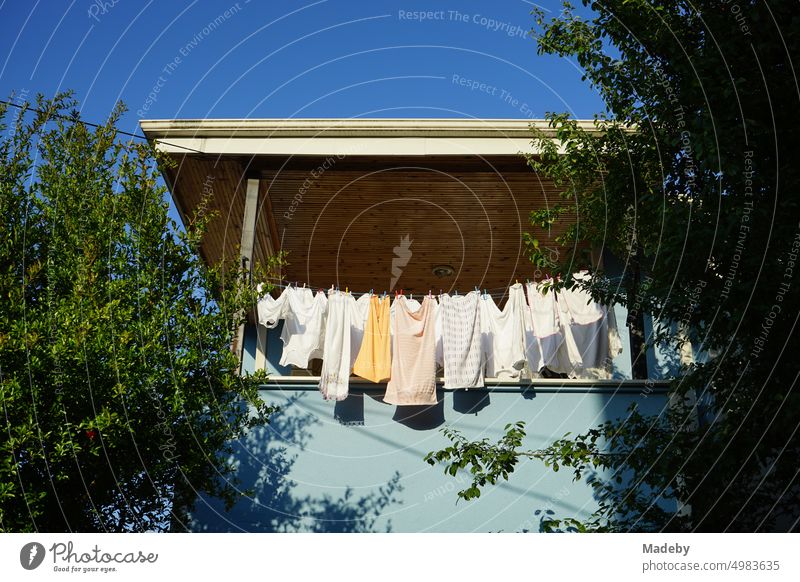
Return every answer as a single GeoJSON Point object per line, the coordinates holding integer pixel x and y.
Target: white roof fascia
{"type": "Point", "coordinates": [341, 137]}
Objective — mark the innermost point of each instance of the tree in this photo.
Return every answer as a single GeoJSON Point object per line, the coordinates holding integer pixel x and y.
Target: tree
{"type": "Point", "coordinates": [690, 181]}
{"type": "Point", "coordinates": [119, 389]}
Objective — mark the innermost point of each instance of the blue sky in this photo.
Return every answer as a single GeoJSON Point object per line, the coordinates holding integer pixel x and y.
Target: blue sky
{"type": "Point", "coordinates": [251, 58]}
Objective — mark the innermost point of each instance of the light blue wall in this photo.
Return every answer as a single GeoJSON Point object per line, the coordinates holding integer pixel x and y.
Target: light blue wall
{"type": "Point", "coordinates": [274, 350]}
{"type": "Point", "coordinates": [358, 465]}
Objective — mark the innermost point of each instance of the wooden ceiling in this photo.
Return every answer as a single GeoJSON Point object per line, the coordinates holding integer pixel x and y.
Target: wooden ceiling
{"type": "Point", "coordinates": [343, 222]}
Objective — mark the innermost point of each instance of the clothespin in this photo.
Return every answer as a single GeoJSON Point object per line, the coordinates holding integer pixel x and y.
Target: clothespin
{"type": "Point", "coordinates": [347, 290]}
{"type": "Point", "coordinates": [456, 292]}
{"type": "Point", "coordinates": [484, 294]}
{"type": "Point", "coordinates": [411, 296]}
{"type": "Point", "coordinates": [304, 285]}
{"type": "Point", "coordinates": [370, 292]}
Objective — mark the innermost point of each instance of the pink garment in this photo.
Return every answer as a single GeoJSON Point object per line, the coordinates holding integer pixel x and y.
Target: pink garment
{"type": "Point", "coordinates": [413, 380]}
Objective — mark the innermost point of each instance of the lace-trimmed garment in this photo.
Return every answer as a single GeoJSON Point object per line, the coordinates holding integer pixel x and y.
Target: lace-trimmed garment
{"type": "Point", "coordinates": [344, 329]}
{"type": "Point", "coordinates": [503, 334]}
{"type": "Point", "coordinates": [413, 380]}
{"type": "Point", "coordinates": [461, 341]}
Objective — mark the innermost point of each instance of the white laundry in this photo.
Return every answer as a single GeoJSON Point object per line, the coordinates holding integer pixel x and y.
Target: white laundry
{"type": "Point", "coordinates": [544, 333]}
{"type": "Point", "coordinates": [503, 334]}
{"type": "Point", "coordinates": [358, 322]}
{"type": "Point", "coordinates": [303, 331]}
{"type": "Point", "coordinates": [593, 329]}
{"type": "Point", "coordinates": [269, 309]}
{"type": "Point", "coordinates": [342, 318]}
{"type": "Point", "coordinates": [461, 341]}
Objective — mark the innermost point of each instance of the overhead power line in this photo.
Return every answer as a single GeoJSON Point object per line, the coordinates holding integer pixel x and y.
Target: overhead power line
{"type": "Point", "coordinates": [97, 125]}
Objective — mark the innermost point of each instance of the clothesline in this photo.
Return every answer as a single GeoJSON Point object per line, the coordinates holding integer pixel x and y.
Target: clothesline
{"type": "Point", "coordinates": [404, 340]}
{"type": "Point", "coordinates": [494, 292]}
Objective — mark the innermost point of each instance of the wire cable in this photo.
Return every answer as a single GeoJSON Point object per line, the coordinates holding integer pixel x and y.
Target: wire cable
{"type": "Point", "coordinates": [97, 126]}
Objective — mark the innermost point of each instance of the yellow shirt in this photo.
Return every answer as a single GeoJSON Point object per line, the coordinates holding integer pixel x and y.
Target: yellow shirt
{"type": "Point", "coordinates": [374, 361]}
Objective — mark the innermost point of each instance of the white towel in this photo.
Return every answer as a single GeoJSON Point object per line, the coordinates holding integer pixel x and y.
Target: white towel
{"type": "Point", "coordinates": [461, 341]}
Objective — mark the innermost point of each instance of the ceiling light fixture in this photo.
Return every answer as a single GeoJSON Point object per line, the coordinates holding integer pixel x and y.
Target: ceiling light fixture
{"type": "Point", "coordinates": [442, 271]}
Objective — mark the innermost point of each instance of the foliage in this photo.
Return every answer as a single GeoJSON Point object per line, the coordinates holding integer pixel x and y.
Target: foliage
{"type": "Point", "coordinates": [119, 389]}
{"type": "Point", "coordinates": [688, 179]}
{"type": "Point", "coordinates": [612, 458]}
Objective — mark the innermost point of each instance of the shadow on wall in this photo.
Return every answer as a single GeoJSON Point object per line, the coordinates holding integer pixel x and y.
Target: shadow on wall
{"type": "Point", "coordinates": [619, 483]}
{"type": "Point", "coordinates": [267, 501]}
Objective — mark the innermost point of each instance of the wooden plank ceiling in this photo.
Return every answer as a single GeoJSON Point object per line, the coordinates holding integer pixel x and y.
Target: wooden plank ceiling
{"type": "Point", "coordinates": [345, 224]}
